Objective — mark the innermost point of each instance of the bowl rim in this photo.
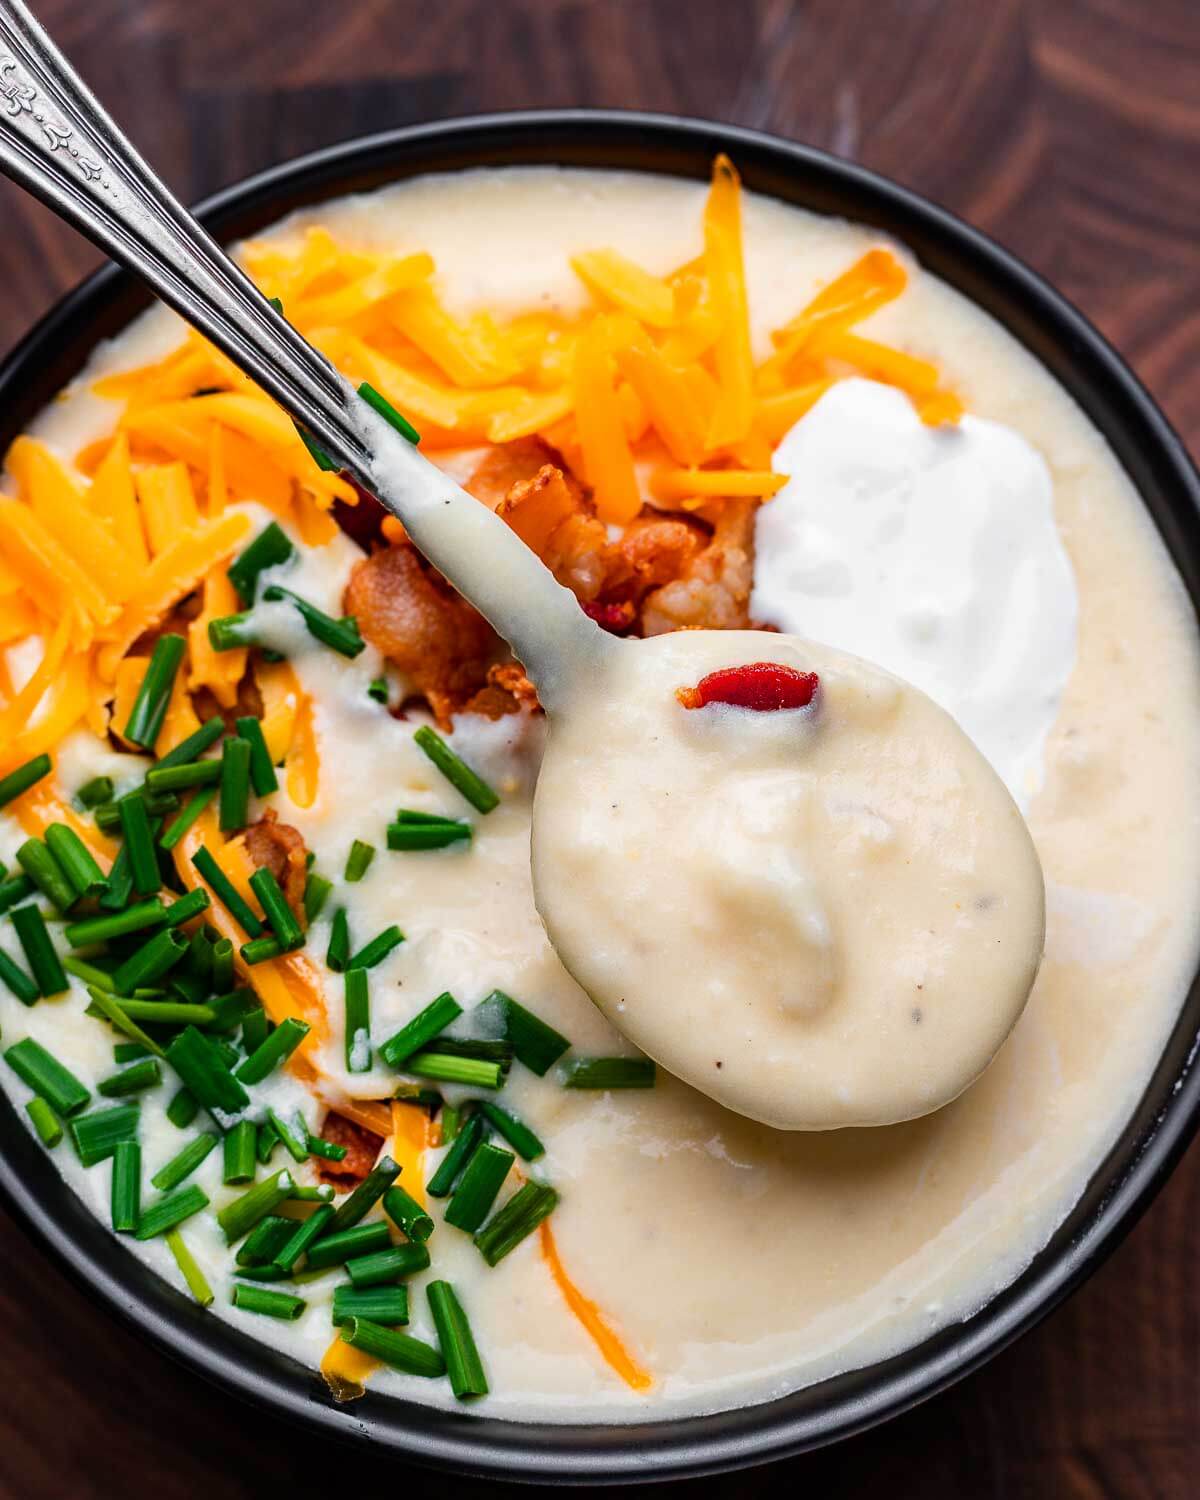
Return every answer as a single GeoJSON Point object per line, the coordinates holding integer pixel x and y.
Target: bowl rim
{"type": "Point", "coordinates": [1140, 1158]}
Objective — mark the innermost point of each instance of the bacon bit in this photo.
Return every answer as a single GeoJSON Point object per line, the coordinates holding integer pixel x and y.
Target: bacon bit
{"type": "Point", "coordinates": [504, 466]}
{"type": "Point", "coordinates": [616, 618]}
{"type": "Point", "coordinates": [508, 691]}
{"type": "Point", "coordinates": [279, 847]}
{"type": "Point", "coordinates": [762, 685]}
{"type": "Point", "coordinates": [362, 1150]}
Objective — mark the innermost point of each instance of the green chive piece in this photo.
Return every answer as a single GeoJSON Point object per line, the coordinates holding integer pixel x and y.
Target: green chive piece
{"type": "Point", "coordinates": [377, 949]}
{"type": "Point", "coordinates": [609, 1073]}
{"type": "Point", "coordinates": [295, 1142]}
{"type": "Point", "coordinates": [277, 1048]}
{"type": "Point", "coordinates": [182, 1109]}
{"type": "Point", "coordinates": [455, 770]}
{"type": "Point", "coordinates": [126, 1187]}
{"type": "Point", "coordinates": [255, 1029]}
{"type": "Point", "coordinates": [443, 1180]}
{"type": "Point", "coordinates": [113, 1011]}
{"type": "Point", "coordinates": [336, 1247]}
{"type": "Point", "coordinates": [485, 1048]}
{"type": "Point", "coordinates": [108, 817]}
{"type": "Point", "coordinates": [189, 905]}
{"type": "Point", "coordinates": [276, 909]}
{"type": "Point", "coordinates": [337, 955]}
{"type": "Point", "coordinates": [241, 1152]}
{"type": "Point", "coordinates": [15, 979]}
{"type": "Point", "coordinates": [388, 412]}
{"type": "Point", "coordinates": [134, 918]}
{"type": "Point", "coordinates": [189, 1269]}
{"type": "Point", "coordinates": [456, 1341]}
{"type": "Point", "coordinates": [327, 1150]}
{"type": "Point", "coordinates": [519, 1217]}
{"type": "Point", "coordinates": [515, 1132]}
{"type": "Point", "coordinates": [135, 1079]}
{"type": "Point", "coordinates": [386, 1305]}
{"type": "Point", "coordinates": [268, 549]}
{"type": "Point", "coordinates": [423, 1027]}
{"type": "Point", "coordinates": [47, 971]}
{"type": "Point", "coordinates": [399, 1350]}
{"type": "Point", "coordinates": [320, 1194]}
{"type": "Point", "coordinates": [450, 1122]}
{"type": "Point", "coordinates": [171, 1211]}
{"type": "Point", "coordinates": [231, 632]}
{"type": "Point", "coordinates": [195, 745]}
{"type": "Point", "coordinates": [358, 861]}
{"type": "Point", "coordinates": [408, 837]}
{"type": "Point", "coordinates": [45, 1122]}
{"type": "Point", "coordinates": [261, 1299]}
{"type": "Point", "coordinates": [265, 1240]}
{"type": "Point", "coordinates": [139, 843]}
{"type": "Point", "coordinates": [262, 772]}
{"type": "Point", "coordinates": [184, 1162]}
{"type": "Point", "coordinates": [239, 1217]}
{"type": "Point", "coordinates": [358, 1022]}
{"type": "Point", "coordinates": [127, 1052]}
{"type": "Point", "coordinates": [475, 1072]}
{"type": "Point", "coordinates": [151, 961]}
{"type": "Point", "coordinates": [47, 874]}
{"type": "Point", "coordinates": [222, 888]}
{"type": "Point", "coordinates": [20, 780]}
{"type": "Point", "coordinates": [75, 859]}
{"type": "Point", "coordinates": [377, 689]}
{"type": "Point", "coordinates": [266, 1273]}
{"type": "Point", "coordinates": [92, 793]}
{"type": "Point", "coordinates": [535, 1043]}
{"type": "Point", "coordinates": [201, 1068]}
{"type": "Point", "coordinates": [259, 950]}
{"type": "Point", "coordinates": [477, 1189]}
{"type": "Point", "coordinates": [407, 1214]}
{"type": "Point", "coordinates": [315, 451]}
{"type": "Point", "coordinates": [95, 1136]}
{"type": "Point", "coordinates": [367, 1193]}
{"type": "Point", "coordinates": [317, 891]}
{"type": "Point", "coordinates": [186, 818]}
{"type": "Point", "coordinates": [184, 777]}
{"type": "Point", "coordinates": [90, 973]}
{"type": "Point", "coordinates": [15, 889]}
{"type": "Point", "coordinates": [304, 1232]}
{"type": "Point", "coordinates": [341, 635]}
{"type": "Point", "coordinates": [266, 1143]}
{"type": "Point", "coordinates": [235, 784]}
{"type": "Point", "coordinates": [387, 1265]}
{"type": "Point", "coordinates": [125, 1014]}
{"type": "Point", "coordinates": [46, 1076]}
{"type": "Point", "coordinates": [150, 706]}
{"type": "Point", "coordinates": [222, 964]}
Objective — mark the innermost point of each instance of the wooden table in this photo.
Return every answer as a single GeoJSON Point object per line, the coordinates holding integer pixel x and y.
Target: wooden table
{"type": "Point", "coordinates": [1070, 130]}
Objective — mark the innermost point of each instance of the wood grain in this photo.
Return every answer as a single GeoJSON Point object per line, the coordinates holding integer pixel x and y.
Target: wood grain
{"type": "Point", "coordinates": [1070, 130]}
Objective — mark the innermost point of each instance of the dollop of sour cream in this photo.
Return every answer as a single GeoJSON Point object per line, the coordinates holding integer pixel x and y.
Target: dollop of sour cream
{"type": "Point", "coordinates": [933, 552]}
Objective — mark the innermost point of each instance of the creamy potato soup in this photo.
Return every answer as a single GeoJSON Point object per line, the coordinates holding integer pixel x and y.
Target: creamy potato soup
{"type": "Point", "coordinates": [700, 408]}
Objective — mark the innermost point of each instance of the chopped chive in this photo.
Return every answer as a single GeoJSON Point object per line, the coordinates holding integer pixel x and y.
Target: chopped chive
{"type": "Point", "coordinates": [268, 1236]}
{"type": "Point", "coordinates": [481, 1180]}
{"type": "Point", "coordinates": [222, 887]}
{"type": "Point", "coordinates": [399, 1350]}
{"type": "Point", "coordinates": [358, 1022]}
{"type": "Point", "coordinates": [295, 1142]}
{"type": "Point", "coordinates": [241, 1152]}
{"type": "Point", "coordinates": [535, 1043]}
{"type": "Point", "coordinates": [519, 1217]}
{"type": "Point", "coordinates": [186, 818]}
{"type": "Point", "coordinates": [377, 689]}
{"type": "Point", "coordinates": [90, 973]}
{"type": "Point", "coordinates": [182, 1109]}
{"type": "Point", "coordinates": [15, 979]}
{"type": "Point", "coordinates": [75, 860]}
{"type": "Point", "coordinates": [334, 1248]}
{"type": "Point", "coordinates": [95, 1136]}
{"type": "Point", "coordinates": [337, 955]}
{"type": "Point", "coordinates": [150, 706]}
{"type": "Point", "coordinates": [487, 1049]}
{"type": "Point", "coordinates": [189, 905]}
{"type": "Point", "coordinates": [142, 914]}
{"type": "Point", "coordinates": [189, 1269]}
{"type": "Point", "coordinates": [139, 1076]}
{"type": "Point", "coordinates": [126, 1187]}
{"type": "Point", "coordinates": [327, 1150]}
{"type": "Point", "coordinates": [139, 842]}
{"type": "Point", "coordinates": [262, 772]}
{"type": "Point", "coordinates": [151, 961]}
{"type": "Point", "coordinates": [367, 1193]}
{"type": "Point", "coordinates": [377, 949]}
{"type": "Point", "coordinates": [268, 549]}
{"type": "Point", "coordinates": [199, 955]}
{"type": "Point", "coordinates": [184, 1162]}
{"type": "Point", "coordinates": [304, 1233]}
{"type": "Point", "coordinates": [266, 1142]}
{"type": "Point", "coordinates": [423, 1027]}
{"type": "Point", "coordinates": [46, 1076]}
{"type": "Point", "coordinates": [45, 1122]}
{"type": "Point", "coordinates": [108, 817]}
{"type": "Point", "coordinates": [255, 1029]}
{"type": "Point", "coordinates": [315, 451]}
{"type": "Point", "coordinates": [127, 1052]}
{"type": "Point", "coordinates": [260, 950]}
{"type": "Point", "coordinates": [609, 1073]}
{"type": "Point", "coordinates": [184, 777]}
{"type": "Point", "coordinates": [407, 1214]}
{"type": "Point", "coordinates": [15, 889]}
{"type": "Point", "coordinates": [30, 927]}
{"type": "Point", "coordinates": [231, 632]}
{"type": "Point", "coordinates": [231, 1009]}
{"type": "Point", "coordinates": [416, 1096]}
{"type": "Point", "coordinates": [166, 1012]}
{"type": "Point", "coordinates": [388, 1264]}
{"type": "Point", "coordinates": [171, 1211]}
{"type": "Point", "coordinates": [261, 1299]}
{"type": "Point", "coordinates": [266, 1273]}
{"type": "Point", "coordinates": [341, 635]}
{"type": "Point", "coordinates": [456, 1341]}
{"type": "Point", "coordinates": [358, 861]}
{"type": "Point", "coordinates": [222, 964]}
{"type": "Point", "coordinates": [276, 909]}
{"type": "Point", "coordinates": [407, 837]}
{"type": "Point", "coordinates": [450, 1122]}
{"type": "Point", "coordinates": [92, 793]}
{"type": "Point", "coordinates": [443, 1180]}
{"type": "Point", "coordinates": [323, 1193]}
{"type": "Point", "coordinates": [386, 1305]}
{"type": "Point", "coordinates": [235, 784]}
{"type": "Point", "coordinates": [475, 1072]}
{"type": "Point", "coordinates": [20, 780]}
{"type": "Point", "coordinates": [239, 1217]}
{"type": "Point", "coordinates": [455, 770]}
{"type": "Point", "coordinates": [279, 1046]}
{"type": "Point", "coordinates": [388, 412]}
{"type": "Point", "coordinates": [317, 891]}
{"type": "Point", "coordinates": [515, 1132]}
{"type": "Point", "coordinates": [195, 745]}
{"type": "Point", "coordinates": [47, 874]}
{"type": "Point", "coordinates": [115, 1013]}
{"type": "Point", "coordinates": [201, 1068]}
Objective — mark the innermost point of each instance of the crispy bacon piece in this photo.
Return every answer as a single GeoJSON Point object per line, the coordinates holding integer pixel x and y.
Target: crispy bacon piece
{"type": "Point", "coordinates": [279, 847]}
{"type": "Point", "coordinates": [362, 1148]}
{"type": "Point", "coordinates": [759, 685]}
{"type": "Point", "coordinates": [653, 551]}
{"type": "Point", "coordinates": [503, 466]}
{"type": "Point", "coordinates": [508, 691]}
{"type": "Point", "coordinates": [550, 514]}
{"type": "Point", "coordinates": [713, 592]}
{"type": "Point", "coordinates": [617, 617]}
{"type": "Point", "coordinates": [417, 620]}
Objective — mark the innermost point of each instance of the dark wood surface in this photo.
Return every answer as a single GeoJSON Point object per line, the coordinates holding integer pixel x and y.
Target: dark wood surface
{"type": "Point", "coordinates": [1070, 130]}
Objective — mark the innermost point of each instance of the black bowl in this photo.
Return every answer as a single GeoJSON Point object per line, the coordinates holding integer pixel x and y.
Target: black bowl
{"type": "Point", "coordinates": [1168, 1113]}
